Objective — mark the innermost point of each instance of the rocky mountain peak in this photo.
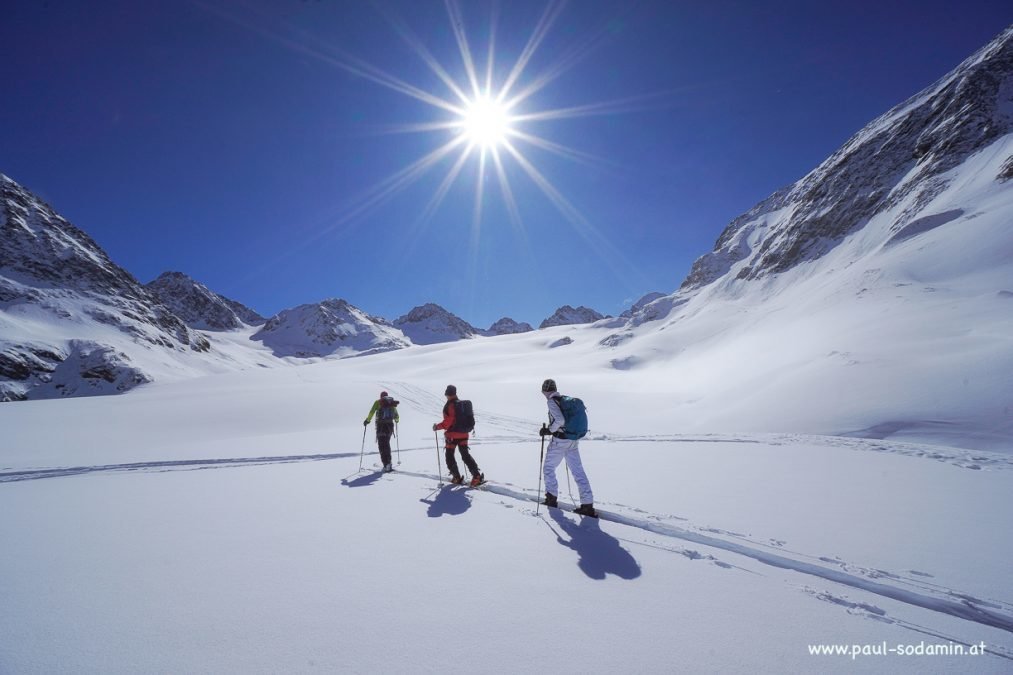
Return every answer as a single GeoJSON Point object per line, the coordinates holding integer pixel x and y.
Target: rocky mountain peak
{"type": "Point", "coordinates": [898, 158]}
{"type": "Point", "coordinates": [199, 306]}
{"type": "Point", "coordinates": [431, 324]}
{"type": "Point", "coordinates": [327, 328]}
{"type": "Point", "coordinates": [507, 326]}
{"type": "Point", "coordinates": [567, 315]}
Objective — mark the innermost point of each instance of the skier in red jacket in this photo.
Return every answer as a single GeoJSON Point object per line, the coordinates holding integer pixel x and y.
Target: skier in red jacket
{"type": "Point", "coordinates": [456, 436]}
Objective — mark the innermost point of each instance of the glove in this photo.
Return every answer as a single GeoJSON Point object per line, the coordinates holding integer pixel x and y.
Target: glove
{"type": "Point", "coordinates": [365, 423]}
{"type": "Point", "coordinates": [559, 434]}
{"type": "Point", "coordinates": [544, 431]}
{"type": "Point", "coordinates": [435, 427]}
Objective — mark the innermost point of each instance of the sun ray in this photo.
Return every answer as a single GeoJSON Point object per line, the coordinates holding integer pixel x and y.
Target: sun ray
{"type": "Point", "coordinates": [411, 128]}
{"type": "Point", "coordinates": [508, 196]}
{"type": "Point", "coordinates": [476, 222]}
{"type": "Point", "coordinates": [444, 188]}
{"type": "Point", "coordinates": [370, 72]}
{"type": "Point", "coordinates": [557, 148]}
{"type": "Point", "coordinates": [571, 57]}
{"type": "Point", "coordinates": [338, 59]}
{"type": "Point", "coordinates": [482, 120]}
{"type": "Point", "coordinates": [457, 24]}
{"type": "Point", "coordinates": [608, 253]}
{"type": "Point", "coordinates": [416, 44]}
{"type": "Point", "coordinates": [397, 182]}
{"type": "Point", "coordinates": [421, 223]}
{"type": "Point", "coordinates": [618, 106]}
{"type": "Point", "coordinates": [493, 20]}
{"type": "Point", "coordinates": [549, 16]}
{"type": "Point", "coordinates": [433, 206]}
{"type": "Point", "coordinates": [372, 198]}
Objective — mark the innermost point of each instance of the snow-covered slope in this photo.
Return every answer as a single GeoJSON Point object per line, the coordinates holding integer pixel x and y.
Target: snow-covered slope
{"type": "Point", "coordinates": [200, 307]}
{"type": "Point", "coordinates": [71, 321]}
{"type": "Point", "coordinates": [886, 180]}
{"type": "Point", "coordinates": [568, 316]}
{"type": "Point", "coordinates": [263, 549]}
{"type": "Point", "coordinates": [733, 538]}
{"type": "Point", "coordinates": [429, 324]}
{"type": "Point", "coordinates": [507, 326]}
{"type": "Point", "coordinates": [882, 280]}
{"type": "Point", "coordinates": [329, 328]}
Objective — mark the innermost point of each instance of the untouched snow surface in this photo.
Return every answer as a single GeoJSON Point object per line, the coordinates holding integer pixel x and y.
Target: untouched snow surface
{"type": "Point", "coordinates": [220, 525]}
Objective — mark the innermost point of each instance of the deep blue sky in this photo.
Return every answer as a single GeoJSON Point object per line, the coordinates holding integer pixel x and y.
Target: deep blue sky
{"type": "Point", "coordinates": [220, 144]}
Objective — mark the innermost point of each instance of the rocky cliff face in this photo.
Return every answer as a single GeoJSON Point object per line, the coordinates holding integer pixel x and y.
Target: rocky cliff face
{"type": "Point", "coordinates": [898, 158]}
{"type": "Point", "coordinates": [59, 293]}
{"type": "Point", "coordinates": [200, 307]}
{"type": "Point", "coordinates": [431, 324]}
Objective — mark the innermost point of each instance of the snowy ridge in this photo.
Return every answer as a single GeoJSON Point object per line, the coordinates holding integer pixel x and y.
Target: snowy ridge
{"type": "Point", "coordinates": [73, 322]}
{"type": "Point", "coordinates": [431, 324]}
{"type": "Point", "coordinates": [899, 158]}
{"type": "Point", "coordinates": [640, 304]}
{"type": "Point", "coordinates": [507, 326]}
{"type": "Point", "coordinates": [329, 328]}
{"type": "Point", "coordinates": [861, 279]}
{"type": "Point", "coordinates": [568, 316]}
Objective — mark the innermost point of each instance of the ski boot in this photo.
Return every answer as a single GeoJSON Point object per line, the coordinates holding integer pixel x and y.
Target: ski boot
{"type": "Point", "coordinates": [586, 510]}
{"type": "Point", "coordinates": [550, 500]}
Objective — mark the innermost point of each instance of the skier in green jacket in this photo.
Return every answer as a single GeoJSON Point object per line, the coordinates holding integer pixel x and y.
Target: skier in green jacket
{"type": "Point", "coordinates": [385, 409]}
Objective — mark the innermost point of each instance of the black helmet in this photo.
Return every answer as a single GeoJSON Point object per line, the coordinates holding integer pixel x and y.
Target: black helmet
{"type": "Point", "coordinates": [549, 385]}
{"type": "Point", "coordinates": [451, 390]}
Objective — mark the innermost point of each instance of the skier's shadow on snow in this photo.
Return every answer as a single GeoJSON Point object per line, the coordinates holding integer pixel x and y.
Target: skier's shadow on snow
{"type": "Point", "coordinates": [447, 501]}
{"type": "Point", "coordinates": [362, 481]}
{"type": "Point", "coordinates": [600, 553]}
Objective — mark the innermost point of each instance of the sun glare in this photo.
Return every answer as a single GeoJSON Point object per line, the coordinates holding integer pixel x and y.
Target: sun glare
{"type": "Point", "coordinates": [482, 118]}
{"type": "Point", "coordinates": [485, 122]}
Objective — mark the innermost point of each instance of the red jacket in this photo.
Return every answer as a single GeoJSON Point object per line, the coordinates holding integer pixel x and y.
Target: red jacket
{"type": "Point", "coordinates": [448, 421]}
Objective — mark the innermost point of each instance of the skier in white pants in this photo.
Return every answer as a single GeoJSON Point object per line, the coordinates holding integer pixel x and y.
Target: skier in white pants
{"type": "Point", "coordinates": [561, 448]}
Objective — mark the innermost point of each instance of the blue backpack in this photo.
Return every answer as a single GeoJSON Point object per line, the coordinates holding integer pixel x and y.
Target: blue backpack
{"type": "Point", "coordinates": [574, 417]}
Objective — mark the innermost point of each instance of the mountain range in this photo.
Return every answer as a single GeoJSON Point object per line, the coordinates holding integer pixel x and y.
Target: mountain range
{"type": "Point", "coordinates": [898, 242]}
{"type": "Point", "coordinates": [73, 322]}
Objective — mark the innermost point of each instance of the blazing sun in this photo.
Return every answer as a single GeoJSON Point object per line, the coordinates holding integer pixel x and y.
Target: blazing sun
{"type": "Point", "coordinates": [486, 122]}
{"type": "Point", "coordinates": [479, 120]}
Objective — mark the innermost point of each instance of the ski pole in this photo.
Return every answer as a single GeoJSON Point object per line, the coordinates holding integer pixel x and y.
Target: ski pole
{"type": "Point", "coordinates": [439, 471]}
{"type": "Point", "coordinates": [397, 439]}
{"type": "Point", "coordinates": [568, 488]}
{"type": "Point", "coordinates": [541, 460]}
{"type": "Point", "coordinates": [362, 450]}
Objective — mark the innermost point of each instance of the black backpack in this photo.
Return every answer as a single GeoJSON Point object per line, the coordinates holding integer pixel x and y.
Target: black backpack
{"type": "Point", "coordinates": [464, 417]}
{"type": "Point", "coordinates": [387, 409]}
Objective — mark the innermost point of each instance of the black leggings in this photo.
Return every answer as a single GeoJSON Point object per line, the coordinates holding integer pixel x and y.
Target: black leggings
{"type": "Point", "coordinates": [383, 433]}
{"type": "Point", "coordinates": [469, 461]}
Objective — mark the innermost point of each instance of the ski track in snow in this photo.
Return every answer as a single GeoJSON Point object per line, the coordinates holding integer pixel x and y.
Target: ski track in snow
{"type": "Point", "coordinates": [915, 589]}
{"type": "Point", "coordinates": [963, 606]}
{"type": "Point", "coordinates": [168, 465]}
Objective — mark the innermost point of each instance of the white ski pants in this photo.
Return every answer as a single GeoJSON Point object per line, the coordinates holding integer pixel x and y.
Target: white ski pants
{"type": "Point", "coordinates": [560, 449]}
